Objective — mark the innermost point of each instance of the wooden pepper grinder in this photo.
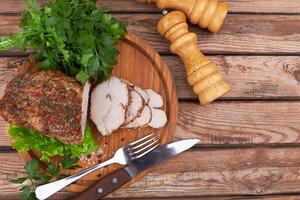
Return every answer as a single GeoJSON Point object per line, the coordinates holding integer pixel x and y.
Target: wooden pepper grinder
{"type": "Point", "coordinates": [202, 74]}
{"type": "Point", "coordinates": [206, 13]}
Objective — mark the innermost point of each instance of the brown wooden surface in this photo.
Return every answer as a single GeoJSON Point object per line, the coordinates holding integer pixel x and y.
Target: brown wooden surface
{"type": "Point", "coordinates": [265, 197]}
{"type": "Point", "coordinates": [253, 77]}
{"type": "Point", "coordinates": [236, 6]}
{"type": "Point", "coordinates": [247, 171]}
{"type": "Point", "coordinates": [250, 137]}
{"type": "Point", "coordinates": [232, 123]}
{"type": "Point", "coordinates": [253, 34]}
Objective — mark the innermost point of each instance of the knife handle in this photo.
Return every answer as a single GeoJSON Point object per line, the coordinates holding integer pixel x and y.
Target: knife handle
{"type": "Point", "coordinates": [104, 186]}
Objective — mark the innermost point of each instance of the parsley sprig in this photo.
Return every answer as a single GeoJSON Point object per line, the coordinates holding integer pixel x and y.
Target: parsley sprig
{"type": "Point", "coordinates": [69, 35]}
{"type": "Point", "coordinates": [36, 177]}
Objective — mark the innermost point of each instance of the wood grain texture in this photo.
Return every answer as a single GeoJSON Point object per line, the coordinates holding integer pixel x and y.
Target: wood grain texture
{"type": "Point", "coordinates": [241, 34]}
{"type": "Point", "coordinates": [212, 174]}
{"type": "Point", "coordinates": [232, 123]}
{"type": "Point", "coordinates": [240, 122]}
{"type": "Point", "coordinates": [253, 77]}
{"type": "Point", "coordinates": [262, 78]}
{"type": "Point", "coordinates": [208, 172]}
{"type": "Point", "coordinates": [65, 195]}
{"type": "Point", "coordinates": [9, 191]}
{"type": "Point", "coordinates": [236, 6]}
{"type": "Point", "coordinates": [256, 197]}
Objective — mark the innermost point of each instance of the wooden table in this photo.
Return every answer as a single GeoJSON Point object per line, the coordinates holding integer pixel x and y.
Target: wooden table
{"type": "Point", "coordinates": [250, 138]}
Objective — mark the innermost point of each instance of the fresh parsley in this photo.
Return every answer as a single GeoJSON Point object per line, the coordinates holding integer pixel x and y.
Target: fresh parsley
{"type": "Point", "coordinates": [37, 177]}
{"type": "Point", "coordinates": [69, 35]}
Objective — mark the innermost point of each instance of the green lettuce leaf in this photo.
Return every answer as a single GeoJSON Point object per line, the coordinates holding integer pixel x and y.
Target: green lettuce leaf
{"type": "Point", "coordinates": [25, 139]}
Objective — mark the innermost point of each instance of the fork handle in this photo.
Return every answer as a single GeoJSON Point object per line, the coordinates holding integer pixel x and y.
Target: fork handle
{"type": "Point", "coordinates": [45, 191]}
{"type": "Point", "coordinates": [104, 186]}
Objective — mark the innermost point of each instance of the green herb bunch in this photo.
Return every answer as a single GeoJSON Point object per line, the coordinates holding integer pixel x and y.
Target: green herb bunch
{"type": "Point", "coordinates": [37, 177]}
{"type": "Point", "coordinates": [69, 35]}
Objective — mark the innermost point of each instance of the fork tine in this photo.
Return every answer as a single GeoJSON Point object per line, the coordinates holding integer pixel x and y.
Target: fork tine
{"type": "Point", "coordinates": [142, 139]}
{"type": "Point", "coordinates": [154, 137]}
{"type": "Point", "coordinates": [137, 151]}
{"type": "Point", "coordinates": [139, 156]}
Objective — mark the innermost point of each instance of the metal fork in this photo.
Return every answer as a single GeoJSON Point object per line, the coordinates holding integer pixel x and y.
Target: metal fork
{"type": "Point", "coordinates": [123, 156]}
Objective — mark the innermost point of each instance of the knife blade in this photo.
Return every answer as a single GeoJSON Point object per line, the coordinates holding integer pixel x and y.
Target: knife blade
{"type": "Point", "coordinates": [118, 178]}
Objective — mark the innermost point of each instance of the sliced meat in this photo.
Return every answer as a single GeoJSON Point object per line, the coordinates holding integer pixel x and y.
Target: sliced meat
{"type": "Point", "coordinates": [119, 91]}
{"type": "Point", "coordinates": [114, 119]}
{"type": "Point", "coordinates": [118, 103]}
{"type": "Point", "coordinates": [159, 118]}
{"type": "Point", "coordinates": [156, 100]}
{"type": "Point", "coordinates": [135, 106]}
{"type": "Point", "coordinates": [141, 121]}
{"type": "Point", "coordinates": [108, 105]}
{"type": "Point", "coordinates": [85, 104]}
{"type": "Point", "coordinates": [101, 104]}
{"type": "Point", "coordinates": [49, 102]}
{"type": "Point", "coordinates": [128, 83]}
{"type": "Point", "coordinates": [143, 93]}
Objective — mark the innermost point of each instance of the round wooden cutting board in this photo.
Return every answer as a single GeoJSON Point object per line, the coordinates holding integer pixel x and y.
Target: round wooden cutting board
{"type": "Point", "coordinates": [142, 66]}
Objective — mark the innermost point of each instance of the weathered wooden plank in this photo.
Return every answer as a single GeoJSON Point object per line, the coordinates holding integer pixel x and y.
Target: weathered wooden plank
{"type": "Point", "coordinates": [253, 77]}
{"type": "Point", "coordinates": [9, 24]}
{"type": "Point", "coordinates": [264, 197]}
{"type": "Point", "coordinates": [251, 34]}
{"type": "Point", "coordinates": [267, 197]}
{"type": "Point", "coordinates": [240, 123]}
{"type": "Point", "coordinates": [11, 167]}
{"type": "Point", "coordinates": [249, 123]}
{"type": "Point", "coordinates": [65, 195]}
{"type": "Point", "coordinates": [236, 6]}
{"type": "Point", "coordinates": [240, 34]}
{"type": "Point", "coordinates": [206, 172]}
{"type": "Point", "coordinates": [231, 123]}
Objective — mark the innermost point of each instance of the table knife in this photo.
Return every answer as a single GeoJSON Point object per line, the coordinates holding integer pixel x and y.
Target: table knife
{"type": "Point", "coordinates": [118, 178]}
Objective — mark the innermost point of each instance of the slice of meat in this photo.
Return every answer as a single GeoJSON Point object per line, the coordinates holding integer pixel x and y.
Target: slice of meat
{"type": "Point", "coordinates": [156, 100]}
{"type": "Point", "coordinates": [128, 83]}
{"type": "Point", "coordinates": [142, 120]}
{"type": "Point", "coordinates": [135, 106]}
{"type": "Point", "coordinates": [85, 104]}
{"type": "Point", "coordinates": [143, 93]}
{"type": "Point", "coordinates": [49, 102]}
{"type": "Point", "coordinates": [159, 118]}
{"type": "Point", "coordinates": [114, 119]}
{"type": "Point", "coordinates": [108, 105]}
{"type": "Point", "coordinates": [119, 91]}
